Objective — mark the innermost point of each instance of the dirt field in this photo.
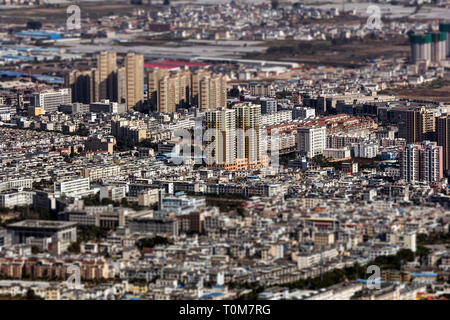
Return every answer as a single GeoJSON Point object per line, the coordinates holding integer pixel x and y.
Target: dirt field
{"type": "Point", "coordinates": [52, 15]}
{"type": "Point", "coordinates": [349, 53]}
{"type": "Point", "coordinates": [438, 95]}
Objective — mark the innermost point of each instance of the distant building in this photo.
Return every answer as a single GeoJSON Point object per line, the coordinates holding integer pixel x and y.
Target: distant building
{"type": "Point", "coordinates": [311, 141]}
{"type": "Point", "coordinates": [43, 229]}
{"type": "Point", "coordinates": [443, 138]}
{"type": "Point", "coordinates": [268, 106]}
{"type": "Point", "coordinates": [155, 226]}
{"type": "Point", "coordinates": [70, 187]}
{"type": "Point", "coordinates": [134, 81]}
{"type": "Point", "coordinates": [420, 124]}
{"type": "Point", "coordinates": [12, 198]}
{"type": "Point", "coordinates": [105, 144]}
{"type": "Point", "coordinates": [421, 162]}
{"type": "Point", "coordinates": [50, 101]}
{"type": "Point", "coordinates": [303, 113]}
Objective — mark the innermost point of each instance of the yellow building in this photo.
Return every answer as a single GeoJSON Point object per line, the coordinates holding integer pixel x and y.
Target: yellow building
{"type": "Point", "coordinates": [34, 111]}
{"type": "Point", "coordinates": [323, 239]}
{"type": "Point", "coordinates": [106, 76]}
{"type": "Point", "coordinates": [140, 288]}
{"type": "Point", "coordinates": [52, 294]}
{"type": "Point", "coordinates": [134, 79]}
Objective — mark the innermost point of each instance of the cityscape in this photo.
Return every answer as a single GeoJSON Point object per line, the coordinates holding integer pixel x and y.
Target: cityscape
{"type": "Point", "coordinates": [224, 150]}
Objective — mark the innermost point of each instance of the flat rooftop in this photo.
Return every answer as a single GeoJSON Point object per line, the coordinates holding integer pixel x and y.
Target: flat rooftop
{"type": "Point", "coordinates": [42, 224]}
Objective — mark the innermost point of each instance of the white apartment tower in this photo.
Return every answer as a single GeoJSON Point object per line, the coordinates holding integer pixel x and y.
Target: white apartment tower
{"type": "Point", "coordinates": [224, 124]}
{"type": "Point", "coordinates": [311, 140]}
{"type": "Point", "coordinates": [248, 120]}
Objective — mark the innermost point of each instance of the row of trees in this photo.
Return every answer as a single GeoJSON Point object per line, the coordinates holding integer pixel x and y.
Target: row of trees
{"type": "Point", "coordinates": [336, 276]}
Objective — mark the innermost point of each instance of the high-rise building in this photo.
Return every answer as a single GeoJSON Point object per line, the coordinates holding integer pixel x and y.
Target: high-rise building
{"type": "Point", "coordinates": [213, 92]}
{"type": "Point", "coordinates": [443, 138]}
{"type": "Point", "coordinates": [50, 101]}
{"type": "Point", "coordinates": [445, 28]}
{"type": "Point", "coordinates": [121, 85]}
{"type": "Point", "coordinates": [268, 106]}
{"type": "Point", "coordinates": [430, 46]}
{"type": "Point", "coordinates": [224, 123]}
{"type": "Point", "coordinates": [421, 162]}
{"type": "Point", "coordinates": [238, 137]}
{"type": "Point", "coordinates": [420, 125]}
{"type": "Point", "coordinates": [208, 91]}
{"type": "Point", "coordinates": [431, 167]}
{"type": "Point", "coordinates": [438, 46]}
{"type": "Point", "coordinates": [173, 91]}
{"type": "Point", "coordinates": [82, 84]}
{"type": "Point", "coordinates": [311, 141]}
{"type": "Point", "coordinates": [153, 78]}
{"type": "Point", "coordinates": [106, 76]}
{"type": "Point", "coordinates": [248, 119]}
{"type": "Point", "coordinates": [134, 70]}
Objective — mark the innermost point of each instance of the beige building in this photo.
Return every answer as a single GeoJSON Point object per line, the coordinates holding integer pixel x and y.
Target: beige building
{"type": "Point", "coordinates": [148, 197]}
{"type": "Point", "coordinates": [212, 91]}
{"type": "Point", "coordinates": [323, 239]}
{"type": "Point", "coordinates": [83, 85]}
{"type": "Point", "coordinates": [100, 172]}
{"type": "Point", "coordinates": [173, 91]}
{"type": "Point", "coordinates": [130, 129]}
{"type": "Point", "coordinates": [153, 78]}
{"type": "Point", "coordinates": [443, 138]}
{"type": "Point", "coordinates": [134, 80]}
{"type": "Point", "coordinates": [106, 76]}
{"type": "Point", "coordinates": [420, 125]}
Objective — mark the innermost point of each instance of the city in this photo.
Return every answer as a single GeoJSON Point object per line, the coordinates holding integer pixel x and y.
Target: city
{"type": "Point", "coordinates": [224, 150]}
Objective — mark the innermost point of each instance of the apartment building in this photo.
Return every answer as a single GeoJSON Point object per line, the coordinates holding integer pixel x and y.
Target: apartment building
{"type": "Point", "coordinates": [421, 162]}
{"type": "Point", "coordinates": [12, 198]}
{"type": "Point", "coordinates": [224, 124]}
{"type": "Point", "coordinates": [83, 85]}
{"type": "Point", "coordinates": [106, 77]}
{"type": "Point", "coordinates": [134, 80]}
{"type": "Point", "coordinates": [443, 139]}
{"type": "Point", "coordinates": [101, 172]}
{"type": "Point", "coordinates": [311, 141]}
{"type": "Point", "coordinates": [51, 100]}
{"type": "Point", "coordinates": [71, 187]}
{"type": "Point", "coordinates": [157, 226]}
{"type": "Point", "coordinates": [276, 117]}
{"type": "Point", "coordinates": [420, 124]}
{"type": "Point", "coordinates": [248, 120]}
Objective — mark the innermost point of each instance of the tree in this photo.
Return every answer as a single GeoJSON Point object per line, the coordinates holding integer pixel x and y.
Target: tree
{"type": "Point", "coordinates": [275, 4]}
{"type": "Point", "coordinates": [31, 295]}
{"type": "Point", "coordinates": [151, 242]}
{"type": "Point", "coordinates": [405, 255]}
{"type": "Point", "coordinates": [74, 247]}
{"type": "Point", "coordinates": [34, 25]}
{"type": "Point", "coordinates": [35, 250]}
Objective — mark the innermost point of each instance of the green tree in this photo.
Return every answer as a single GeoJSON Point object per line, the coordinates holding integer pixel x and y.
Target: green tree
{"type": "Point", "coordinates": [274, 4]}
{"type": "Point", "coordinates": [34, 25]}
{"type": "Point", "coordinates": [74, 247]}
{"type": "Point", "coordinates": [152, 242]}
{"type": "Point", "coordinates": [31, 295]}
